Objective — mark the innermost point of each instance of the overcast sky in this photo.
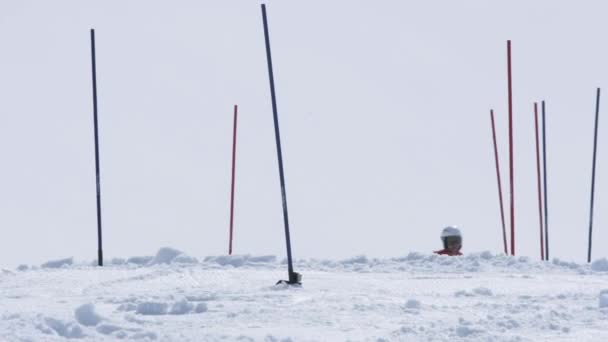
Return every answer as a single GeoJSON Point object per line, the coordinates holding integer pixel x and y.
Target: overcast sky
{"type": "Point", "coordinates": [384, 117]}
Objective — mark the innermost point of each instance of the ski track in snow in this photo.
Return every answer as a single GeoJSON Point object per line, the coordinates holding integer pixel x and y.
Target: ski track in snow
{"type": "Point", "coordinates": [420, 297]}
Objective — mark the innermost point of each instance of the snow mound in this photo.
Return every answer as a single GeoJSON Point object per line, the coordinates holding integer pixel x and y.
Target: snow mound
{"type": "Point", "coordinates": [58, 263]}
{"type": "Point", "coordinates": [414, 256]}
{"type": "Point", "coordinates": [486, 255]}
{"type": "Point", "coordinates": [108, 329]}
{"type": "Point", "coordinates": [604, 299]}
{"type": "Point", "coordinates": [127, 307]}
{"type": "Point", "coordinates": [479, 291]}
{"type": "Point", "coordinates": [165, 255]}
{"type": "Point", "coordinates": [262, 259]}
{"type": "Point", "coordinates": [117, 261]}
{"type": "Point", "coordinates": [482, 291]}
{"type": "Point", "coordinates": [181, 307]}
{"type": "Point", "coordinates": [240, 260]}
{"type": "Point", "coordinates": [139, 260]}
{"type": "Point", "coordinates": [418, 297]}
{"type": "Point", "coordinates": [359, 259]}
{"type": "Point", "coordinates": [185, 259]}
{"type": "Point", "coordinates": [412, 262]}
{"type": "Point", "coordinates": [200, 308]}
{"type": "Point", "coordinates": [565, 264]}
{"type": "Point", "coordinates": [86, 315]}
{"type": "Point", "coordinates": [600, 265]}
{"type": "Point", "coordinates": [152, 308]}
{"type": "Point", "coordinates": [52, 326]}
{"type": "Point", "coordinates": [146, 335]}
{"type": "Point", "coordinates": [412, 304]}
{"type": "Point", "coordinates": [433, 263]}
{"type": "Point", "coordinates": [466, 331]}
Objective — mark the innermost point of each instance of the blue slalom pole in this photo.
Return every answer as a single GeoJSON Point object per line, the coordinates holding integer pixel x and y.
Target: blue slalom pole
{"type": "Point", "coordinates": [545, 185]}
{"type": "Point", "coordinates": [97, 176]}
{"type": "Point", "coordinates": [294, 278]}
{"type": "Point", "coordinates": [597, 111]}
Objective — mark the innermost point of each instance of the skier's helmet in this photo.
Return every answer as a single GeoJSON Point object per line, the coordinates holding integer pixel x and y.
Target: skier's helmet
{"type": "Point", "coordinates": [450, 233]}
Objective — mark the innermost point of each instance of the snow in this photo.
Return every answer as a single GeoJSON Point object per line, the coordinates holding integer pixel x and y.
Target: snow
{"type": "Point", "coordinates": [152, 308]}
{"type": "Point", "coordinates": [86, 315]}
{"type": "Point", "coordinates": [600, 265]}
{"type": "Point", "coordinates": [138, 260]}
{"type": "Point", "coordinates": [200, 308]}
{"type": "Point", "coordinates": [412, 304]}
{"type": "Point", "coordinates": [52, 326]}
{"type": "Point", "coordinates": [604, 299]}
{"type": "Point", "coordinates": [181, 307]}
{"type": "Point", "coordinates": [240, 260]}
{"type": "Point", "coordinates": [417, 297]}
{"type": "Point", "coordinates": [168, 255]}
{"type": "Point", "coordinates": [57, 263]}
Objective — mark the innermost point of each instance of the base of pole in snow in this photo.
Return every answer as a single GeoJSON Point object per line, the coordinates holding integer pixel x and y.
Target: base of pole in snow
{"type": "Point", "coordinates": [295, 278]}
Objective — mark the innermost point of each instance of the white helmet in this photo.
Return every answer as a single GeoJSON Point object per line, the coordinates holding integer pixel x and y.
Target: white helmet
{"type": "Point", "coordinates": [450, 231]}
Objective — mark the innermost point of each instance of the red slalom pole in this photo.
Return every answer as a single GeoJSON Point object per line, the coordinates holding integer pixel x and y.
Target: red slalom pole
{"type": "Point", "coordinates": [540, 198]}
{"type": "Point", "coordinates": [233, 174]}
{"type": "Point", "coordinates": [502, 211]}
{"type": "Point", "coordinates": [511, 148]}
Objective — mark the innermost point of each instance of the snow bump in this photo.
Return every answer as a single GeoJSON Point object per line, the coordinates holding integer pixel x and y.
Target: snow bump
{"type": "Point", "coordinates": [359, 259]}
{"type": "Point", "coordinates": [140, 260]}
{"type": "Point", "coordinates": [165, 255]}
{"type": "Point", "coordinates": [181, 307]}
{"type": "Point", "coordinates": [108, 329]}
{"type": "Point", "coordinates": [412, 304]}
{"type": "Point", "coordinates": [86, 315]}
{"type": "Point", "coordinates": [241, 260]}
{"type": "Point", "coordinates": [482, 291]}
{"type": "Point", "coordinates": [58, 263]}
{"type": "Point", "coordinates": [152, 308]}
{"type": "Point", "coordinates": [600, 265]}
{"type": "Point", "coordinates": [200, 308]}
{"type": "Point", "coordinates": [604, 299]}
{"type": "Point", "coordinates": [61, 328]}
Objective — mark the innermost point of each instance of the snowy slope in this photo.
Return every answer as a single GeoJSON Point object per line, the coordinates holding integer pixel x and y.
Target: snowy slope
{"type": "Point", "coordinates": [419, 297]}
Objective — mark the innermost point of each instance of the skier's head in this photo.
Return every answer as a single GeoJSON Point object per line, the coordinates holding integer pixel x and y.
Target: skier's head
{"type": "Point", "coordinates": [451, 238]}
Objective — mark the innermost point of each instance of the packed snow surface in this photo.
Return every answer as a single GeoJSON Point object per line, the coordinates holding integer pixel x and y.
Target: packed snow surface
{"type": "Point", "coordinates": [418, 297]}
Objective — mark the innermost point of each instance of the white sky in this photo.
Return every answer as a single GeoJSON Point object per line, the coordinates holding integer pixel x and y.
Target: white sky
{"type": "Point", "coordinates": [384, 116]}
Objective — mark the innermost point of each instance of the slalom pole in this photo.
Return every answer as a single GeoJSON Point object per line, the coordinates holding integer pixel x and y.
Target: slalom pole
{"type": "Point", "coordinates": [294, 278]}
{"type": "Point", "coordinates": [511, 148]}
{"type": "Point", "coordinates": [540, 198]}
{"type": "Point", "coordinates": [545, 185]}
{"type": "Point", "coordinates": [233, 177]}
{"type": "Point", "coordinates": [502, 211]}
{"type": "Point", "coordinates": [597, 110]}
{"type": "Point", "coordinates": [97, 176]}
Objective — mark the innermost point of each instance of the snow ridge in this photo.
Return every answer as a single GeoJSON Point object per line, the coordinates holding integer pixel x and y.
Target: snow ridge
{"type": "Point", "coordinates": [172, 296]}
